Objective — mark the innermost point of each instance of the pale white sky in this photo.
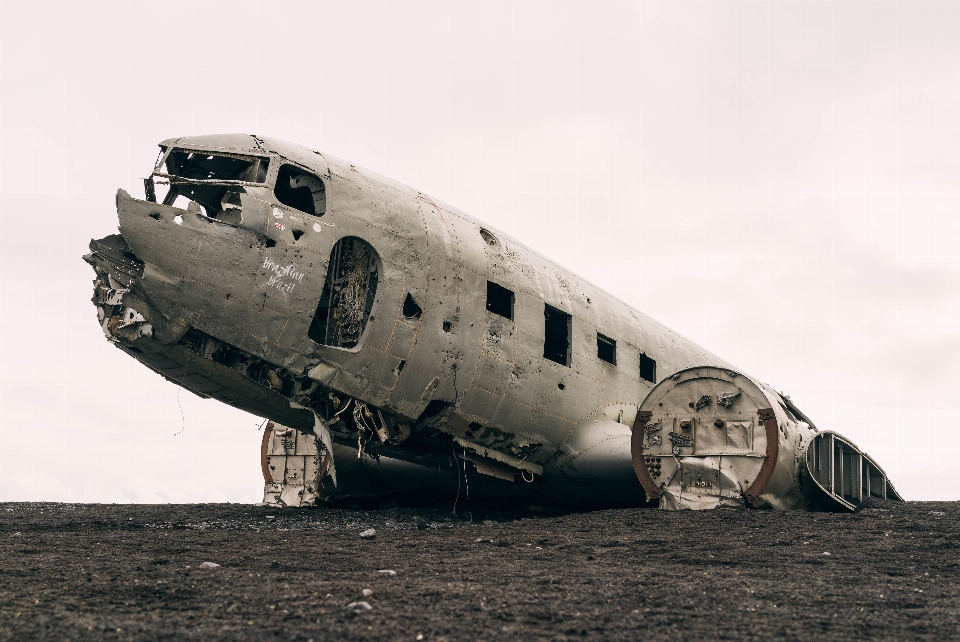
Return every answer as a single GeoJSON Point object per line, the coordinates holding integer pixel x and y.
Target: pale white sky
{"type": "Point", "coordinates": [778, 181]}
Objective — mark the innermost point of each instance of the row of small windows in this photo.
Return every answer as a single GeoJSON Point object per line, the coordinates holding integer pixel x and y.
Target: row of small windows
{"type": "Point", "coordinates": [557, 328]}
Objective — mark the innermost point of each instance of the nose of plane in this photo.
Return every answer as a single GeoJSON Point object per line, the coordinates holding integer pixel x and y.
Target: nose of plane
{"type": "Point", "coordinates": [208, 272]}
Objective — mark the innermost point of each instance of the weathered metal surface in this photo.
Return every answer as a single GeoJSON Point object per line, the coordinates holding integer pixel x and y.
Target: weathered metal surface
{"type": "Point", "coordinates": [716, 438]}
{"type": "Point", "coordinates": [640, 463]}
{"type": "Point", "coordinates": [342, 304]}
{"type": "Point", "coordinates": [293, 464]}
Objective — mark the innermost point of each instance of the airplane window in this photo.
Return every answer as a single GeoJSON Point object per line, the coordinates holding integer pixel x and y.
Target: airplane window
{"type": "Point", "coordinates": [606, 349]}
{"type": "Point", "coordinates": [499, 300]}
{"type": "Point", "coordinates": [410, 308]}
{"type": "Point", "coordinates": [648, 368]}
{"type": "Point", "coordinates": [301, 190]}
{"type": "Point", "coordinates": [556, 339]}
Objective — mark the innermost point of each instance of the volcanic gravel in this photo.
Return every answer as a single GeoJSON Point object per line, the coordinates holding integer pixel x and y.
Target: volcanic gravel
{"type": "Point", "coordinates": [136, 572]}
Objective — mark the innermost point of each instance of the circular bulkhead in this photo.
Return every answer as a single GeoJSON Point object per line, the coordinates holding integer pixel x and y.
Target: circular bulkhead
{"type": "Point", "coordinates": [709, 437]}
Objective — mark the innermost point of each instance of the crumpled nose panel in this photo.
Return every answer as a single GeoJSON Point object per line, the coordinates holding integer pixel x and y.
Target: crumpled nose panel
{"type": "Point", "coordinates": [223, 273]}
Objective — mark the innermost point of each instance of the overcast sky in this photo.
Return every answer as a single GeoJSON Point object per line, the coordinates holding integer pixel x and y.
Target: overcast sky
{"type": "Point", "coordinates": [777, 181]}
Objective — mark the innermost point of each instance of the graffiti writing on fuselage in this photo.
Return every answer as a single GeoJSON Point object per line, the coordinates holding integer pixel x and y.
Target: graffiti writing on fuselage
{"type": "Point", "coordinates": [284, 277]}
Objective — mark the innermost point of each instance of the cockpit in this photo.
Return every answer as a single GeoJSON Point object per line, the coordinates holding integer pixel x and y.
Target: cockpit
{"type": "Point", "coordinates": [213, 182]}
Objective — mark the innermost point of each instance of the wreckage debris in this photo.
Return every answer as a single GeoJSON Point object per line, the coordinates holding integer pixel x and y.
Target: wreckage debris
{"type": "Point", "coordinates": [402, 349]}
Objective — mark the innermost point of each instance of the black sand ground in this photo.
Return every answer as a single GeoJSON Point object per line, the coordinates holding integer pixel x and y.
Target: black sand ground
{"type": "Point", "coordinates": [134, 572]}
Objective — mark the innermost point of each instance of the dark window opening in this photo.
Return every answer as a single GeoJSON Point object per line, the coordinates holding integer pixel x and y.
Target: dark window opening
{"type": "Point", "coordinates": [301, 190]}
{"type": "Point", "coordinates": [499, 300]}
{"type": "Point", "coordinates": [410, 308]}
{"type": "Point", "coordinates": [648, 368]}
{"type": "Point", "coordinates": [193, 177]}
{"type": "Point", "coordinates": [348, 294]}
{"type": "Point", "coordinates": [556, 336]}
{"type": "Point", "coordinates": [606, 349]}
{"type": "Point", "coordinates": [205, 166]}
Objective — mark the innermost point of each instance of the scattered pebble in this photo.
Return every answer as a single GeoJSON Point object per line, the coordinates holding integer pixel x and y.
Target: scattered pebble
{"type": "Point", "coordinates": [356, 607]}
{"type": "Point", "coordinates": [209, 565]}
{"type": "Point", "coordinates": [366, 592]}
{"type": "Point", "coordinates": [937, 512]}
{"type": "Point", "coordinates": [387, 571]}
{"type": "Point", "coordinates": [421, 523]}
{"type": "Point", "coordinates": [368, 534]}
{"type": "Point", "coordinates": [826, 552]}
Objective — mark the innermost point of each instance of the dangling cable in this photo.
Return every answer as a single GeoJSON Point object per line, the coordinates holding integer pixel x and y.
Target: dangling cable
{"type": "Point", "coordinates": [456, 467]}
{"type": "Point", "coordinates": [183, 420]}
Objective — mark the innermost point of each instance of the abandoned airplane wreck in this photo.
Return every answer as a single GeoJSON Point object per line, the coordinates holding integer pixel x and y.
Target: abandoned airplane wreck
{"type": "Point", "coordinates": [400, 347]}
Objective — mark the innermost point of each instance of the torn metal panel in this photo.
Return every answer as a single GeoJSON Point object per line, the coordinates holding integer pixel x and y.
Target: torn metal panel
{"type": "Point", "coordinates": [293, 463]}
{"type": "Point", "coordinates": [503, 458]}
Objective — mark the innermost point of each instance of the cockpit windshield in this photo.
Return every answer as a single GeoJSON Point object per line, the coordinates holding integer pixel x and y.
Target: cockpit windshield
{"type": "Point", "coordinates": [217, 167]}
{"type": "Point", "coordinates": [213, 180]}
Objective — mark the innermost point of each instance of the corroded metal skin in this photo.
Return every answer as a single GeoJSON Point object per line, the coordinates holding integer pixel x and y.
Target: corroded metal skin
{"type": "Point", "coordinates": [339, 303]}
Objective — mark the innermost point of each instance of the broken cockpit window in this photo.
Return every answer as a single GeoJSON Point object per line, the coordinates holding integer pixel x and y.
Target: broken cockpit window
{"type": "Point", "coordinates": [301, 190]}
{"type": "Point", "coordinates": [348, 294]}
{"type": "Point", "coordinates": [212, 180]}
{"type": "Point", "coordinates": [205, 166]}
